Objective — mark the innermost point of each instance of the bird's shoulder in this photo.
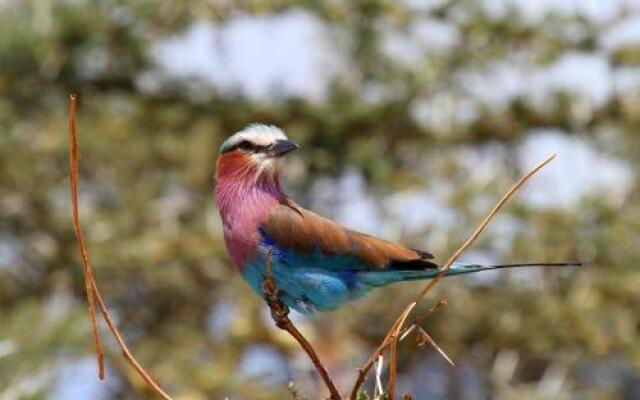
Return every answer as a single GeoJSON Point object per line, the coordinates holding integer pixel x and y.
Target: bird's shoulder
{"type": "Point", "coordinates": [291, 226]}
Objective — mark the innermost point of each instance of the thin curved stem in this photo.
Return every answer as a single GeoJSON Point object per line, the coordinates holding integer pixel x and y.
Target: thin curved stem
{"type": "Point", "coordinates": [93, 293]}
{"type": "Point", "coordinates": [80, 241]}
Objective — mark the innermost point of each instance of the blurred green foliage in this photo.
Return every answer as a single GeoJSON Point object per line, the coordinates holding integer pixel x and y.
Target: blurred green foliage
{"type": "Point", "coordinates": [147, 158]}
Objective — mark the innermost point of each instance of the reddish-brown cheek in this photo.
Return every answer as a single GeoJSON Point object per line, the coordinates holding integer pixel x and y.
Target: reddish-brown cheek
{"type": "Point", "coordinates": [233, 163]}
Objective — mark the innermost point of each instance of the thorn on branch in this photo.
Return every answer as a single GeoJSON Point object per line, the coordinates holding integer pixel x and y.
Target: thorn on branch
{"type": "Point", "coordinates": [424, 338]}
{"type": "Point", "coordinates": [422, 317]}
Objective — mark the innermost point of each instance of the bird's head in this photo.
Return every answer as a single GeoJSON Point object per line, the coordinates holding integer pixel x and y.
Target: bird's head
{"type": "Point", "coordinates": [253, 153]}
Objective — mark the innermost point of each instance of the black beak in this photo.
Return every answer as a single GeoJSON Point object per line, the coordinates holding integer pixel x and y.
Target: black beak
{"type": "Point", "coordinates": [281, 147]}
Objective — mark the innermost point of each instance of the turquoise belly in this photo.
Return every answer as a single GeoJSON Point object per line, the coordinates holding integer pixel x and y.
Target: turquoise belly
{"type": "Point", "coordinates": [306, 289]}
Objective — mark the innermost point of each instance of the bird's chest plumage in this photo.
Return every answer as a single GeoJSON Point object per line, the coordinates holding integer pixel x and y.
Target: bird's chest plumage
{"type": "Point", "coordinates": [242, 238]}
{"type": "Point", "coordinates": [243, 210]}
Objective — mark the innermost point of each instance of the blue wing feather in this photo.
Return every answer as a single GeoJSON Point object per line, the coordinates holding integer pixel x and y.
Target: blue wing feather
{"type": "Point", "coordinates": [316, 281]}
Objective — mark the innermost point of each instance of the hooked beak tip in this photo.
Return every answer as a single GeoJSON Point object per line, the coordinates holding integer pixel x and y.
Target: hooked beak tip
{"type": "Point", "coordinates": [282, 147]}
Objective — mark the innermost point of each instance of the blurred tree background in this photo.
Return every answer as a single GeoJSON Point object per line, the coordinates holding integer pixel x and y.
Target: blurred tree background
{"type": "Point", "coordinates": [413, 117]}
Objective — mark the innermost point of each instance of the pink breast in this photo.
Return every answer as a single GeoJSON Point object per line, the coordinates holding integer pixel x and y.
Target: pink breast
{"type": "Point", "coordinates": [243, 208]}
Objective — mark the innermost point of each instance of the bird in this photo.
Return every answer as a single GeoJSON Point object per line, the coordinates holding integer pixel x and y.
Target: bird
{"type": "Point", "coordinates": [316, 264]}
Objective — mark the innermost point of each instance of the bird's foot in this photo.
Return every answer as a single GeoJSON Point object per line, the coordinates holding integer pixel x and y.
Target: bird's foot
{"type": "Point", "coordinates": [280, 314]}
{"type": "Point", "coordinates": [279, 310]}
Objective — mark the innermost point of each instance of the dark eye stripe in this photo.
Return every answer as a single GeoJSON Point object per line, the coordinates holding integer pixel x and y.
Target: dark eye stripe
{"type": "Point", "coordinates": [247, 146]}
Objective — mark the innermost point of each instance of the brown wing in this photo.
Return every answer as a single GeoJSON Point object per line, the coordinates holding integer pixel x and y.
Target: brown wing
{"type": "Point", "coordinates": [291, 227]}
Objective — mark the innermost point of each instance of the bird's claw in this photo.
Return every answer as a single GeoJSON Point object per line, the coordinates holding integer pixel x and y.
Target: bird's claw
{"type": "Point", "coordinates": [280, 314]}
{"type": "Point", "coordinates": [279, 310]}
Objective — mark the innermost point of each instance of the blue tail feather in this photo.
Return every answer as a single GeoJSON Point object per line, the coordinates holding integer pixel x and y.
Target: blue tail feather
{"type": "Point", "coordinates": [380, 278]}
{"type": "Point", "coordinates": [466, 268]}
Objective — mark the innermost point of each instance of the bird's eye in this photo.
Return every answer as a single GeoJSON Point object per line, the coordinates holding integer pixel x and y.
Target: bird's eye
{"type": "Point", "coordinates": [245, 145]}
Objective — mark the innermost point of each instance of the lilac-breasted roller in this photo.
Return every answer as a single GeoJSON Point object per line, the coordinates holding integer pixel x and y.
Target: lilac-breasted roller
{"type": "Point", "coordinates": [317, 264]}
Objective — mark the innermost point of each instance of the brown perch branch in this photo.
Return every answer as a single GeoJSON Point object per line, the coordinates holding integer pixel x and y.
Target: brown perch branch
{"type": "Point", "coordinates": [397, 325]}
{"type": "Point", "coordinates": [93, 293]}
{"type": "Point", "coordinates": [280, 315]}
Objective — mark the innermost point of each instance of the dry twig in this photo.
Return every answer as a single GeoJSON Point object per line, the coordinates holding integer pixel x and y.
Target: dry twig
{"type": "Point", "coordinates": [391, 338]}
{"type": "Point", "coordinates": [422, 317]}
{"type": "Point", "coordinates": [393, 359]}
{"type": "Point", "coordinates": [91, 287]}
{"type": "Point", "coordinates": [378, 389]}
{"type": "Point", "coordinates": [82, 246]}
{"type": "Point", "coordinates": [424, 338]}
{"type": "Point", "coordinates": [280, 315]}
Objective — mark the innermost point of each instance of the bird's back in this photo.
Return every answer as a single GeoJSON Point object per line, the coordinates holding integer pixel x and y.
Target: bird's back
{"type": "Point", "coordinates": [292, 228]}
